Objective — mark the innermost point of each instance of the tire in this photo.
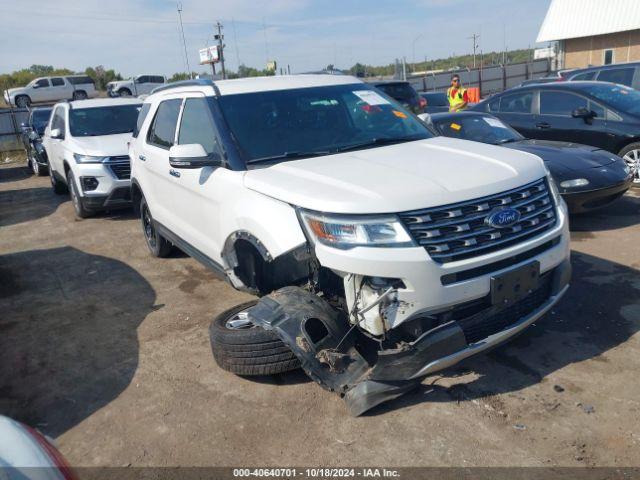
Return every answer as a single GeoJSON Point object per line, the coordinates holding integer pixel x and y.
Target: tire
{"type": "Point", "coordinates": [124, 92]}
{"type": "Point", "coordinates": [36, 169]}
{"type": "Point", "coordinates": [158, 245]}
{"type": "Point", "coordinates": [80, 95]}
{"type": "Point", "coordinates": [22, 101]}
{"type": "Point", "coordinates": [631, 155]}
{"type": "Point", "coordinates": [248, 349]}
{"type": "Point", "coordinates": [58, 187]}
{"type": "Point", "coordinates": [80, 209]}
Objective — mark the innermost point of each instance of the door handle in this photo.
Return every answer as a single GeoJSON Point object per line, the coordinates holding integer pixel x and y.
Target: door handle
{"type": "Point", "coordinates": [174, 173]}
{"type": "Point", "coordinates": [142, 157]}
{"type": "Point", "coordinates": [543, 125]}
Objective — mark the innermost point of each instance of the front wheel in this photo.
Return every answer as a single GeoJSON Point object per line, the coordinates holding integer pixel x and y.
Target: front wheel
{"type": "Point", "coordinates": [158, 245]}
{"type": "Point", "coordinates": [22, 101]}
{"type": "Point", "coordinates": [58, 187]}
{"type": "Point", "coordinates": [241, 347]}
{"type": "Point", "coordinates": [78, 206]}
{"type": "Point", "coordinates": [124, 92]}
{"type": "Point", "coordinates": [631, 155]}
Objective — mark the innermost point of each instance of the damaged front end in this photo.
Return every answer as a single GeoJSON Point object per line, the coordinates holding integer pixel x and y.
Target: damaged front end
{"type": "Point", "coordinates": [366, 369]}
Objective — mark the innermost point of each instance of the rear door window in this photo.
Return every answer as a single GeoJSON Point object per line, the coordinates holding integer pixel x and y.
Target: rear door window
{"type": "Point", "coordinates": [623, 76]}
{"type": "Point", "coordinates": [560, 103]}
{"type": "Point", "coordinates": [163, 129]}
{"type": "Point", "coordinates": [144, 110]}
{"type": "Point", "coordinates": [585, 76]}
{"type": "Point", "coordinates": [516, 102]}
{"type": "Point", "coordinates": [157, 79]}
{"type": "Point", "coordinates": [57, 82]}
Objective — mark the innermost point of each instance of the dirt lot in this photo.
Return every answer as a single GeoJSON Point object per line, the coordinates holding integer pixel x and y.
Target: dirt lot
{"type": "Point", "coordinates": [106, 349]}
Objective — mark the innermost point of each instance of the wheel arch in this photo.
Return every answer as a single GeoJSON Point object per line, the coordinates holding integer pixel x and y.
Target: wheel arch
{"type": "Point", "coordinates": [625, 143]}
{"type": "Point", "coordinates": [136, 195]}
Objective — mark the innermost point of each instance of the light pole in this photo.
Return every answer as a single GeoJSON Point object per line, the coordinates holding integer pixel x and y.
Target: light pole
{"type": "Point", "coordinates": [413, 49]}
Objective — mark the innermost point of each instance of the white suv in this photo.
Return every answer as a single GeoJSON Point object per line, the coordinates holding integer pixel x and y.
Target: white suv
{"type": "Point", "coordinates": [51, 89]}
{"type": "Point", "coordinates": [384, 253]}
{"type": "Point", "coordinates": [86, 143]}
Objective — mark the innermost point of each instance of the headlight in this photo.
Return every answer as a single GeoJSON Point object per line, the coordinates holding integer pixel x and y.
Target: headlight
{"type": "Point", "coordinates": [88, 158]}
{"type": "Point", "coordinates": [576, 182]}
{"type": "Point", "coordinates": [347, 232]}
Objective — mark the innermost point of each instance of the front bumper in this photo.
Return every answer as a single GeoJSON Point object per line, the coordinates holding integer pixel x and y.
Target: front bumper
{"type": "Point", "coordinates": [111, 192]}
{"type": "Point", "coordinates": [339, 358]}
{"type": "Point", "coordinates": [587, 200]}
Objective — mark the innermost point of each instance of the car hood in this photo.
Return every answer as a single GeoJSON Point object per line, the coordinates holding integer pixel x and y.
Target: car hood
{"type": "Point", "coordinates": [572, 156]}
{"type": "Point", "coordinates": [13, 91]}
{"type": "Point", "coordinates": [396, 178]}
{"type": "Point", "coordinates": [103, 145]}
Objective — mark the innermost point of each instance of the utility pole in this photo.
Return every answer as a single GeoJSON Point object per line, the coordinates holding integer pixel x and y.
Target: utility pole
{"type": "Point", "coordinates": [184, 43]}
{"type": "Point", "coordinates": [475, 36]}
{"type": "Point", "coordinates": [220, 37]}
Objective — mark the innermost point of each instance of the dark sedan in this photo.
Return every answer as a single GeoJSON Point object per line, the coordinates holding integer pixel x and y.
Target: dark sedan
{"type": "Point", "coordinates": [605, 115]}
{"type": "Point", "coordinates": [404, 94]}
{"type": "Point", "coordinates": [587, 177]}
{"type": "Point", "coordinates": [32, 132]}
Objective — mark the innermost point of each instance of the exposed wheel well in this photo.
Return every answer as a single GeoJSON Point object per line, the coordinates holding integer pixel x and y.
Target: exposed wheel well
{"type": "Point", "coordinates": [66, 170]}
{"type": "Point", "coordinates": [252, 268]}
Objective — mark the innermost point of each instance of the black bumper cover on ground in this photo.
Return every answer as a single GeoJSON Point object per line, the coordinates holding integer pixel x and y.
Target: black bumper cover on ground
{"type": "Point", "coordinates": [337, 357]}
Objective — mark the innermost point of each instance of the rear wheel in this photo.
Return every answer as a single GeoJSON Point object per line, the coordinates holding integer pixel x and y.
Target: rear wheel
{"type": "Point", "coordinates": [631, 155]}
{"type": "Point", "coordinates": [158, 245]}
{"type": "Point", "coordinates": [241, 347]}
{"type": "Point", "coordinates": [80, 95]}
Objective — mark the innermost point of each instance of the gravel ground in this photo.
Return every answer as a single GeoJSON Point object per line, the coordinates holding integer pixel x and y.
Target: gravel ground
{"type": "Point", "coordinates": [105, 349]}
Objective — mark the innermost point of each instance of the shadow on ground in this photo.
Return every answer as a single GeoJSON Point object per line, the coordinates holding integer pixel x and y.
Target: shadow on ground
{"type": "Point", "coordinates": [625, 212]}
{"type": "Point", "coordinates": [25, 205]}
{"type": "Point", "coordinates": [13, 174]}
{"type": "Point", "coordinates": [68, 339]}
{"type": "Point", "coordinates": [599, 312]}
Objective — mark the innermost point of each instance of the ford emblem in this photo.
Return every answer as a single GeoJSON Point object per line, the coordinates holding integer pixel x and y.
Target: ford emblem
{"type": "Point", "coordinates": [503, 218]}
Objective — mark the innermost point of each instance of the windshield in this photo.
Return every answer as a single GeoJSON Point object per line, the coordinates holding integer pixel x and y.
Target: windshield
{"type": "Point", "coordinates": [436, 99]}
{"type": "Point", "coordinates": [39, 120]}
{"type": "Point", "coordinates": [401, 91]}
{"type": "Point", "coordinates": [90, 122]}
{"type": "Point", "coordinates": [316, 121]}
{"type": "Point", "coordinates": [478, 129]}
{"type": "Point", "coordinates": [623, 98]}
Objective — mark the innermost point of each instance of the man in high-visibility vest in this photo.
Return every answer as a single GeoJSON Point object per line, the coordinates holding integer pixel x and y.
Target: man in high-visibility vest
{"type": "Point", "coordinates": [457, 95]}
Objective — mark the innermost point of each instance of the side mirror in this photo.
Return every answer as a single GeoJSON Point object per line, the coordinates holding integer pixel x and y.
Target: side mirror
{"type": "Point", "coordinates": [33, 135]}
{"type": "Point", "coordinates": [192, 155]}
{"type": "Point", "coordinates": [582, 112]}
{"type": "Point", "coordinates": [57, 134]}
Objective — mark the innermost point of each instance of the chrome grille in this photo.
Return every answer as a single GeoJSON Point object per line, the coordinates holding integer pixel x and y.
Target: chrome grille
{"type": "Point", "coordinates": [120, 166]}
{"type": "Point", "coordinates": [458, 231]}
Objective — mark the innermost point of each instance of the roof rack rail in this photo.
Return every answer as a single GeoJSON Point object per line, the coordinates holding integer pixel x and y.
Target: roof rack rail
{"type": "Point", "coordinates": [199, 82]}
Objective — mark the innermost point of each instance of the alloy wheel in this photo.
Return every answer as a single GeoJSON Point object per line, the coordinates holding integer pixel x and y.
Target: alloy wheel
{"type": "Point", "coordinates": [632, 158]}
{"type": "Point", "coordinates": [239, 321]}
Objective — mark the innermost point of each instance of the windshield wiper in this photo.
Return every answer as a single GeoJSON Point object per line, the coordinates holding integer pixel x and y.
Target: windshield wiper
{"type": "Point", "coordinates": [378, 141]}
{"type": "Point", "coordinates": [507, 140]}
{"type": "Point", "coordinates": [289, 156]}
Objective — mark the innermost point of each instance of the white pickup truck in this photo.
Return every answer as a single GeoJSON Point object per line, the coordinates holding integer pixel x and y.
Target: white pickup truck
{"type": "Point", "coordinates": [51, 90]}
{"type": "Point", "coordinates": [135, 86]}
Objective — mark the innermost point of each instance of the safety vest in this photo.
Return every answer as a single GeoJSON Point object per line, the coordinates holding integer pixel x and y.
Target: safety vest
{"type": "Point", "coordinates": [457, 99]}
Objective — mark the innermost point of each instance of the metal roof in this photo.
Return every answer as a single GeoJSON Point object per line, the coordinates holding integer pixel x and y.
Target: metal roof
{"type": "Point", "coordinates": [584, 18]}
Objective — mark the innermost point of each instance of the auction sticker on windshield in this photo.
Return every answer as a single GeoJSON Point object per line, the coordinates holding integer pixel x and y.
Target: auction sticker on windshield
{"type": "Point", "coordinates": [494, 122]}
{"type": "Point", "coordinates": [371, 97]}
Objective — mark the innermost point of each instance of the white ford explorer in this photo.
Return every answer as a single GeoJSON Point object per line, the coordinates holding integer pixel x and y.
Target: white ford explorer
{"type": "Point", "coordinates": [381, 253]}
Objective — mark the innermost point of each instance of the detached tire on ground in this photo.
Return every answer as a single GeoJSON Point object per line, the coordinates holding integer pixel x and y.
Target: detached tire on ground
{"type": "Point", "coordinates": [246, 349]}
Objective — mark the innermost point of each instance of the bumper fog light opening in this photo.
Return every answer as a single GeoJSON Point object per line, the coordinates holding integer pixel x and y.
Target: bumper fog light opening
{"type": "Point", "coordinates": [89, 183]}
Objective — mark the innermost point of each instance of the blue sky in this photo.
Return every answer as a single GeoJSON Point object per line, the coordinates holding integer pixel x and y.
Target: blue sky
{"type": "Point", "coordinates": [136, 36]}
